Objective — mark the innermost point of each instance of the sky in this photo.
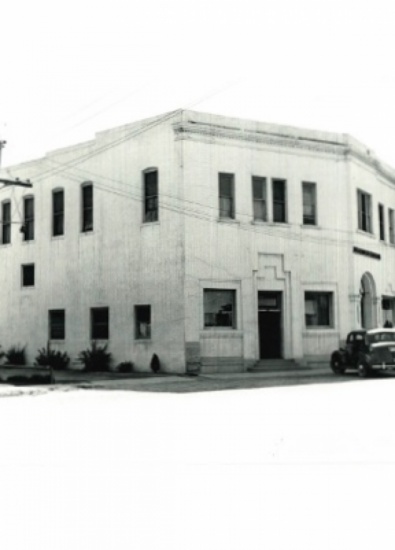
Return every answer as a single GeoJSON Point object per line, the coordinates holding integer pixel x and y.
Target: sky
{"type": "Point", "coordinates": [70, 69]}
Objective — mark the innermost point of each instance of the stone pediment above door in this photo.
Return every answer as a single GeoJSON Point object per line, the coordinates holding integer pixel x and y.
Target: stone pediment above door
{"type": "Point", "coordinates": [272, 267]}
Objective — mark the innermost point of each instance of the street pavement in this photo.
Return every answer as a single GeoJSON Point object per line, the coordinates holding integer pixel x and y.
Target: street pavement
{"type": "Point", "coordinates": [172, 383]}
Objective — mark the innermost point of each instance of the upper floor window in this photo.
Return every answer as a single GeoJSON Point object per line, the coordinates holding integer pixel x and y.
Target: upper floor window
{"type": "Point", "coordinates": [226, 196]}
{"type": "Point", "coordinates": [6, 222]}
{"type": "Point", "coordinates": [58, 212]}
{"type": "Point", "coordinates": [259, 198]}
{"type": "Point", "coordinates": [87, 207]}
{"type": "Point", "coordinates": [151, 206]}
{"type": "Point", "coordinates": [28, 275]}
{"type": "Point", "coordinates": [309, 203]}
{"type": "Point", "coordinates": [381, 222]}
{"type": "Point", "coordinates": [219, 308]}
{"type": "Point", "coordinates": [279, 201]}
{"type": "Point", "coordinates": [391, 225]}
{"type": "Point", "coordinates": [28, 219]}
{"type": "Point", "coordinates": [364, 211]}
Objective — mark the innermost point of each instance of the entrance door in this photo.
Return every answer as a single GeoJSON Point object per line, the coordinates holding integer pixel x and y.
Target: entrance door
{"type": "Point", "coordinates": [269, 323]}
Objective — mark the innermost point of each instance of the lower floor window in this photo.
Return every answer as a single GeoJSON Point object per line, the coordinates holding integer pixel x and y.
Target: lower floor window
{"type": "Point", "coordinates": [142, 315]}
{"type": "Point", "coordinates": [318, 309]}
{"type": "Point", "coordinates": [28, 275]}
{"type": "Point", "coordinates": [100, 323]}
{"type": "Point", "coordinates": [219, 308]}
{"type": "Point", "coordinates": [57, 324]}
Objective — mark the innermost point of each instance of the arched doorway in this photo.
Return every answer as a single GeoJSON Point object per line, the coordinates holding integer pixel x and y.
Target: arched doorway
{"type": "Point", "coordinates": [367, 292]}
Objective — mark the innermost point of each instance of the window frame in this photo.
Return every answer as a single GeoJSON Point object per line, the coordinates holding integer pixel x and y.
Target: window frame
{"type": "Point", "coordinates": [365, 216]}
{"type": "Point", "coordinates": [282, 203]}
{"type": "Point", "coordinates": [6, 224]}
{"type": "Point", "coordinates": [87, 221]}
{"type": "Point", "coordinates": [95, 325]}
{"type": "Point", "coordinates": [52, 325]}
{"type": "Point", "coordinates": [391, 226]}
{"type": "Point", "coordinates": [311, 186]}
{"type": "Point", "coordinates": [234, 317]}
{"type": "Point", "coordinates": [308, 295]}
{"type": "Point", "coordinates": [25, 275]}
{"type": "Point", "coordinates": [57, 215]}
{"type": "Point", "coordinates": [381, 211]}
{"type": "Point", "coordinates": [138, 321]}
{"type": "Point", "coordinates": [150, 215]}
{"type": "Point", "coordinates": [230, 212]}
{"type": "Point", "coordinates": [28, 220]}
{"type": "Point", "coordinates": [259, 203]}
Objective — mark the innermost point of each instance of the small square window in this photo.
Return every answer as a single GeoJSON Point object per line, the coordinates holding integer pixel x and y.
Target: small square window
{"type": "Point", "coordinates": [100, 323]}
{"type": "Point", "coordinates": [219, 308]}
{"type": "Point", "coordinates": [57, 324]}
{"type": "Point", "coordinates": [318, 309]}
{"type": "Point", "coordinates": [142, 315]}
{"type": "Point", "coordinates": [28, 275]}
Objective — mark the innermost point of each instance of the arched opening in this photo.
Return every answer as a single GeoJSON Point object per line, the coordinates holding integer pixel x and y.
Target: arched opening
{"type": "Point", "coordinates": [367, 293]}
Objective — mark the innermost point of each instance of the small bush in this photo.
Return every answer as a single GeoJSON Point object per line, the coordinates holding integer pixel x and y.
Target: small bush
{"type": "Point", "coordinates": [15, 356]}
{"type": "Point", "coordinates": [155, 364]}
{"type": "Point", "coordinates": [96, 358]}
{"type": "Point", "coordinates": [125, 367]}
{"type": "Point", "coordinates": [51, 358]}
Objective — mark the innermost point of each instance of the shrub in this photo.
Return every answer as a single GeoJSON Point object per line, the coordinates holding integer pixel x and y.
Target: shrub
{"type": "Point", "coordinates": [155, 363]}
{"type": "Point", "coordinates": [15, 356]}
{"type": "Point", "coordinates": [96, 358]}
{"type": "Point", "coordinates": [51, 358]}
{"type": "Point", "coordinates": [125, 366]}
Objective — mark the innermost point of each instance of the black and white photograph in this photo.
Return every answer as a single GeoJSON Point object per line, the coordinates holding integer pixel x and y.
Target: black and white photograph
{"type": "Point", "coordinates": [197, 275]}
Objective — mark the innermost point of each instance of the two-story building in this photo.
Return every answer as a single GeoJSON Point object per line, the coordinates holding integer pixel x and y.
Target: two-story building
{"type": "Point", "coordinates": [211, 241]}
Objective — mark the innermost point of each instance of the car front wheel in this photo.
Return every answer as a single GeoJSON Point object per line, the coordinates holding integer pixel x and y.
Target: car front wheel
{"type": "Point", "coordinates": [363, 369]}
{"type": "Point", "coordinates": [337, 364]}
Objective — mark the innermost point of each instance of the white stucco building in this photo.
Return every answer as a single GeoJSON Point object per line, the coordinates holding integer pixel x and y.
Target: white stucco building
{"type": "Point", "coordinates": [211, 241]}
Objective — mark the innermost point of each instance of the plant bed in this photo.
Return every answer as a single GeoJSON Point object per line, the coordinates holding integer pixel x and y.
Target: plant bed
{"type": "Point", "coordinates": [25, 375]}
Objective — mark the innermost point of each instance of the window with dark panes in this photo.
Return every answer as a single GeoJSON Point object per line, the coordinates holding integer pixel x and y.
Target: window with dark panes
{"type": "Point", "coordinates": [226, 196]}
{"type": "Point", "coordinates": [87, 207]}
{"type": "Point", "coordinates": [142, 319]}
{"type": "Point", "coordinates": [28, 219]}
{"type": "Point", "coordinates": [6, 222]}
{"type": "Point", "coordinates": [100, 323]}
{"type": "Point", "coordinates": [381, 222]}
{"type": "Point", "coordinates": [151, 203]}
{"type": "Point", "coordinates": [318, 309]}
{"type": "Point", "coordinates": [58, 213]}
{"type": "Point", "coordinates": [28, 275]}
{"type": "Point", "coordinates": [391, 228]}
{"type": "Point", "coordinates": [309, 203]}
{"type": "Point", "coordinates": [219, 308]}
{"type": "Point", "coordinates": [57, 325]}
{"type": "Point", "coordinates": [259, 197]}
{"type": "Point", "coordinates": [279, 201]}
{"type": "Point", "coordinates": [364, 211]}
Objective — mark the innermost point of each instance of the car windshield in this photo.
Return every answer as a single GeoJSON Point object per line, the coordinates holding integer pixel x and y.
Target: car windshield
{"type": "Point", "coordinates": [381, 337]}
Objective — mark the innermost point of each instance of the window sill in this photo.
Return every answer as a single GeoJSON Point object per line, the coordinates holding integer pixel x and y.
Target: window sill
{"type": "Point", "coordinates": [366, 234]}
{"type": "Point", "coordinates": [86, 233]}
{"type": "Point", "coordinates": [57, 237]}
{"type": "Point", "coordinates": [147, 224]}
{"type": "Point", "coordinates": [310, 226]}
{"type": "Point", "coordinates": [142, 340]}
{"type": "Point", "coordinates": [228, 220]}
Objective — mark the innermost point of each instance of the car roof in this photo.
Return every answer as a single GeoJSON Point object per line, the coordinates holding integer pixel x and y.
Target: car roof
{"type": "Point", "coordinates": [381, 330]}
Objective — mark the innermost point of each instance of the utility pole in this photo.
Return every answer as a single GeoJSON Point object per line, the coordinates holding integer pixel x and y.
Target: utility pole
{"type": "Point", "coordinates": [16, 181]}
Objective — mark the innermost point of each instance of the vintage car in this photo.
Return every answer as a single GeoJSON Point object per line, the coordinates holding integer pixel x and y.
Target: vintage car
{"type": "Point", "coordinates": [367, 351]}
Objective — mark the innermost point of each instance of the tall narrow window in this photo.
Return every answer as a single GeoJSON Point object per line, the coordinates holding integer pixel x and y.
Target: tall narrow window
{"type": "Point", "coordinates": [28, 275]}
{"type": "Point", "coordinates": [6, 222]}
{"type": "Point", "coordinates": [87, 207]}
{"type": "Point", "coordinates": [58, 212]}
{"type": "Point", "coordinates": [364, 211]}
{"type": "Point", "coordinates": [391, 225]}
{"type": "Point", "coordinates": [142, 321]}
{"type": "Point", "coordinates": [279, 201]}
{"type": "Point", "coordinates": [381, 222]}
{"type": "Point", "coordinates": [226, 196]}
{"type": "Point", "coordinates": [100, 323]}
{"type": "Point", "coordinates": [259, 197]}
{"type": "Point", "coordinates": [309, 203]}
{"type": "Point", "coordinates": [28, 219]}
{"type": "Point", "coordinates": [57, 324]}
{"type": "Point", "coordinates": [151, 206]}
